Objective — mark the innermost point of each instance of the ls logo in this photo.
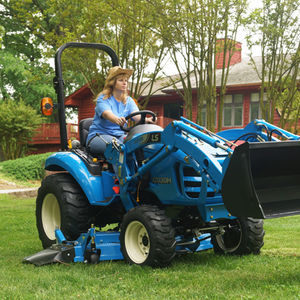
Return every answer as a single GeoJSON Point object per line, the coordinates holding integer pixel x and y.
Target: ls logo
{"type": "Point", "coordinates": [154, 137]}
{"type": "Point", "coordinates": [150, 138]}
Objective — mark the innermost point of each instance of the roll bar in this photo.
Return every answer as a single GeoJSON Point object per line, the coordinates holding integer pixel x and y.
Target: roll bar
{"type": "Point", "coordinates": [59, 83]}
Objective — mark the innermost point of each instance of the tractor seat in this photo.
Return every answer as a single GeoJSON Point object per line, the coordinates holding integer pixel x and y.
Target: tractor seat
{"type": "Point", "coordinates": [95, 167]}
{"type": "Point", "coordinates": [84, 127]}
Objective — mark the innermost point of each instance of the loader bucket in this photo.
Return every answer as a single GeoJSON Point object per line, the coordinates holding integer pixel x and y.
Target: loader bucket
{"type": "Point", "coordinates": [263, 180]}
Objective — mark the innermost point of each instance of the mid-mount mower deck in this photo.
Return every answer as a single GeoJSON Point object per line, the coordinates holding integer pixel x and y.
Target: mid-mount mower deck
{"type": "Point", "coordinates": [176, 190]}
{"type": "Point", "coordinates": [95, 246]}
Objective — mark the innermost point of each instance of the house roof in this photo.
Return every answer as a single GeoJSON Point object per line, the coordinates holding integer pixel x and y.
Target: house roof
{"type": "Point", "coordinates": [241, 73]}
{"type": "Point", "coordinates": [74, 98]}
{"type": "Point", "coordinates": [159, 86]}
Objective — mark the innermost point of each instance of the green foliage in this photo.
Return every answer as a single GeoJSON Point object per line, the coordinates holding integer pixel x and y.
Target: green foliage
{"type": "Point", "coordinates": [1, 34]}
{"type": "Point", "coordinates": [22, 80]}
{"type": "Point", "coordinates": [35, 29]}
{"type": "Point", "coordinates": [17, 126]}
{"type": "Point", "coordinates": [275, 27]}
{"type": "Point", "coordinates": [27, 168]}
{"type": "Point", "coordinates": [289, 106]}
{"type": "Point", "coordinates": [24, 72]}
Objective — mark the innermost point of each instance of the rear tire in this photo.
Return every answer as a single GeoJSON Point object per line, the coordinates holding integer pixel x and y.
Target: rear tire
{"type": "Point", "coordinates": [61, 204]}
{"type": "Point", "coordinates": [241, 237]}
{"type": "Point", "coordinates": [147, 237]}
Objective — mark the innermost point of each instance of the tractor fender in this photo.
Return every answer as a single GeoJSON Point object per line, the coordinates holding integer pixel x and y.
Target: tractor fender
{"type": "Point", "coordinates": [92, 186]}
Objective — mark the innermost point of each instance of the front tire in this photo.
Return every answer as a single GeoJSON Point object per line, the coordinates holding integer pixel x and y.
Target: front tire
{"type": "Point", "coordinates": [61, 204]}
{"type": "Point", "coordinates": [147, 237]}
{"type": "Point", "coordinates": [241, 236]}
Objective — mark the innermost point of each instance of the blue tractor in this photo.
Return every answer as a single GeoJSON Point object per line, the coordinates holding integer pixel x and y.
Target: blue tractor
{"type": "Point", "coordinates": [175, 190]}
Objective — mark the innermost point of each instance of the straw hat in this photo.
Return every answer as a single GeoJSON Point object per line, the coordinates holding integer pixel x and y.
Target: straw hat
{"type": "Point", "coordinates": [115, 71]}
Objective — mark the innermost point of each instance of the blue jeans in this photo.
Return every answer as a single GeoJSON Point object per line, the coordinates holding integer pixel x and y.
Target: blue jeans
{"type": "Point", "coordinates": [97, 144]}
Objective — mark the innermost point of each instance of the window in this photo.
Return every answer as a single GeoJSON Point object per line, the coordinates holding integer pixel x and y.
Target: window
{"type": "Point", "coordinates": [204, 115]}
{"type": "Point", "coordinates": [255, 110]}
{"type": "Point", "coordinates": [233, 110]}
{"type": "Point", "coordinates": [173, 110]}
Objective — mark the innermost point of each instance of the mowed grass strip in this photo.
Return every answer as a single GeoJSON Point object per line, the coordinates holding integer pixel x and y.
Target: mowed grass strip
{"type": "Point", "coordinates": [275, 274]}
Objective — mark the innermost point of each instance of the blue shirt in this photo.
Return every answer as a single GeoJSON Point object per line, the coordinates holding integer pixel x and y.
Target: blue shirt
{"type": "Point", "coordinates": [103, 126]}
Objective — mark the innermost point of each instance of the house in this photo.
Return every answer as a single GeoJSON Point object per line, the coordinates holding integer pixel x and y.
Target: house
{"type": "Point", "coordinates": [241, 103]}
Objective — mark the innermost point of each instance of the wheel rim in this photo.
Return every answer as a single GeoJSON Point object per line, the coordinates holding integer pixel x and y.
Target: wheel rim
{"type": "Point", "coordinates": [231, 239]}
{"type": "Point", "coordinates": [51, 217]}
{"type": "Point", "coordinates": [137, 242]}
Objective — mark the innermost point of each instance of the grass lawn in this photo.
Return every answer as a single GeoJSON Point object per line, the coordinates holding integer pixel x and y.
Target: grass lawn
{"type": "Point", "coordinates": [275, 274]}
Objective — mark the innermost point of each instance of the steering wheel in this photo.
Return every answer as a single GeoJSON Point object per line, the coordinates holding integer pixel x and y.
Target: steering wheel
{"type": "Point", "coordinates": [143, 114]}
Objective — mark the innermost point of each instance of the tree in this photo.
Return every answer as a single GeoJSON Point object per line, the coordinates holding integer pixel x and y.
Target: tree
{"type": "Point", "coordinates": [123, 25]}
{"type": "Point", "coordinates": [277, 31]}
{"type": "Point", "coordinates": [17, 125]}
{"type": "Point", "coordinates": [191, 30]}
{"type": "Point", "coordinates": [289, 97]}
{"type": "Point", "coordinates": [233, 18]}
{"type": "Point", "coordinates": [20, 80]}
{"type": "Point", "coordinates": [24, 74]}
{"type": "Point", "coordinates": [136, 44]}
{"type": "Point", "coordinates": [2, 31]}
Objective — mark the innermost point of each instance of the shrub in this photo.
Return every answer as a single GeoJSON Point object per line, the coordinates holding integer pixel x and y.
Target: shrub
{"type": "Point", "coordinates": [26, 168]}
{"type": "Point", "coordinates": [17, 126]}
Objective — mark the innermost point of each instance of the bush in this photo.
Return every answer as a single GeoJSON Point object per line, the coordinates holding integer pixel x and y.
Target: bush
{"type": "Point", "coordinates": [27, 168]}
{"type": "Point", "coordinates": [17, 126]}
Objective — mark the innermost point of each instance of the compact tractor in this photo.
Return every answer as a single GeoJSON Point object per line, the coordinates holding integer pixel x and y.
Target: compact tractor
{"type": "Point", "coordinates": [163, 192]}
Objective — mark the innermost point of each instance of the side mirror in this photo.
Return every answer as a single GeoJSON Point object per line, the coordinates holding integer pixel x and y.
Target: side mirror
{"type": "Point", "coordinates": [47, 106]}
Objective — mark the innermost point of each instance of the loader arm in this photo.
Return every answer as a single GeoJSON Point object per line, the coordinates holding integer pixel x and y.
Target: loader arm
{"type": "Point", "coordinates": [258, 131]}
{"type": "Point", "coordinates": [204, 153]}
{"type": "Point", "coordinates": [259, 180]}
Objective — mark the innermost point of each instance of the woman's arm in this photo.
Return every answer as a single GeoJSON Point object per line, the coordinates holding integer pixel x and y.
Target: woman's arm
{"type": "Point", "coordinates": [110, 116]}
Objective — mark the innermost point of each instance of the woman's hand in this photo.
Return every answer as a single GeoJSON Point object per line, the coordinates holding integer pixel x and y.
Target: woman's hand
{"type": "Point", "coordinates": [149, 120]}
{"type": "Point", "coordinates": [120, 121]}
{"type": "Point", "coordinates": [108, 115]}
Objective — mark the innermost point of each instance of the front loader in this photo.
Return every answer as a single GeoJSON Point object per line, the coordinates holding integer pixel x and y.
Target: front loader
{"type": "Point", "coordinates": [164, 191]}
